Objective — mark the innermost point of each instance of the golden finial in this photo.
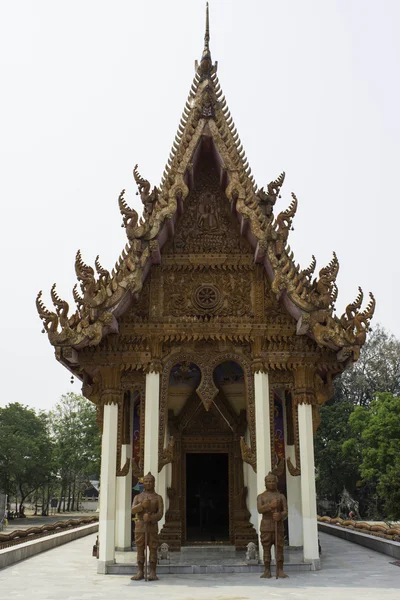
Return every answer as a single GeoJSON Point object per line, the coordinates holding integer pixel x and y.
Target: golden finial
{"type": "Point", "coordinates": [205, 63]}
{"type": "Point", "coordinates": [207, 33]}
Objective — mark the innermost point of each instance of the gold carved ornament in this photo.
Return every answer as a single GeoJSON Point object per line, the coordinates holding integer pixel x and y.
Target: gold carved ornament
{"type": "Point", "coordinates": [134, 386]}
{"type": "Point", "coordinates": [207, 390]}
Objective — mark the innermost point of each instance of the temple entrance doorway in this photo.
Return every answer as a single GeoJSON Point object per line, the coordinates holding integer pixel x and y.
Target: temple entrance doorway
{"type": "Point", "coordinates": [206, 491]}
{"type": "Point", "coordinates": [207, 498]}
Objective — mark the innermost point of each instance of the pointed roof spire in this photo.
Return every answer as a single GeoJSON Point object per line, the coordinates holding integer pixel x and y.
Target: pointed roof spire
{"type": "Point", "coordinates": [206, 62]}
{"type": "Point", "coordinates": [207, 33]}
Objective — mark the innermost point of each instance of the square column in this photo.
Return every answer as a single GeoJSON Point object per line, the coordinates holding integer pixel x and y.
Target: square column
{"type": "Point", "coordinates": [263, 436]}
{"type": "Point", "coordinates": [123, 516]}
{"type": "Point", "coordinates": [161, 483]}
{"type": "Point", "coordinates": [308, 495]}
{"type": "Point", "coordinates": [151, 425]}
{"type": "Point", "coordinates": [107, 488]}
{"type": "Point", "coordinates": [293, 489]}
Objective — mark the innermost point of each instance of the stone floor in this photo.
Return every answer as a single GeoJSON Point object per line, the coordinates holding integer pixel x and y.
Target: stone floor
{"type": "Point", "coordinates": [69, 573]}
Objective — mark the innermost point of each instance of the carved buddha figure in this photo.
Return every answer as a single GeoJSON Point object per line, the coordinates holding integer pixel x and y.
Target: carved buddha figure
{"type": "Point", "coordinates": [207, 219]}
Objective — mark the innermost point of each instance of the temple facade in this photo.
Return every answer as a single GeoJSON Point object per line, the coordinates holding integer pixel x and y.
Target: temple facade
{"type": "Point", "coordinates": [207, 350]}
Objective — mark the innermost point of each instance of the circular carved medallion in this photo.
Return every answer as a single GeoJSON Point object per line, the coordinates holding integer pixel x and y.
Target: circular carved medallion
{"type": "Point", "coordinates": [207, 296]}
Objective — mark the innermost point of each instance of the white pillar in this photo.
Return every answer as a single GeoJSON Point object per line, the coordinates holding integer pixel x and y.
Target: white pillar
{"type": "Point", "coordinates": [293, 491]}
{"type": "Point", "coordinates": [162, 484]}
{"type": "Point", "coordinates": [162, 490]}
{"type": "Point", "coordinates": [107, 483]}
{"type": "Point", "coordinates": [123, 513]}
{"type": "Point", "coordinates": [123, 504]}
{"type": "Point", "coordinates": [250, 481]}
{"type": "Point", "coordinates": [151, 425]}
{"type": "Point", "coordinates": [308, 496]}
{"type": "Point", "coordinates": [263, 436]}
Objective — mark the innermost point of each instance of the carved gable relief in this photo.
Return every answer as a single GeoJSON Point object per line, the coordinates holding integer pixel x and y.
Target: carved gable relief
{"type": "Point", "coordinates": [207, 224]}
{"type": "Point", "coordinates": [280, 325]}
{"type": "Point", "coordinates": [207, 268]}
{"type": "Point", "coordinates": [271, 303]}
{"type": "Point", "coordinates": [207, 293]}
{"type": "Point", "coordinates": [140, 308]}
{"type": "Point", "coordinates": [273, 308]}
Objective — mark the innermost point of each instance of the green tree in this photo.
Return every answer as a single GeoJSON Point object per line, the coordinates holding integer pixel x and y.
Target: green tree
{"type": "Point", "coordinates": [25, 450]}
{"type": "Point", "coordinates": [335, 469]}
{"type": "Point", "coordinates": [377, 370]}
{"type": "Point", "coordinates": [376, 444]}
{"type": "Point", "coordinates": [77, 445]}
{"type": "Point", "coordinates": [338, 466]}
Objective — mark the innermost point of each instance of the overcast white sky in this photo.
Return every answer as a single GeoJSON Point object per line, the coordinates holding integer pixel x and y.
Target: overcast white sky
{"type": "Point", "coordinates": [89, 88]}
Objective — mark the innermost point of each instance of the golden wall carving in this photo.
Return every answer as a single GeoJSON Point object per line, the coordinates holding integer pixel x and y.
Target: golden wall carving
{"type": "Point", "coordinates": [207, 293]}
{"type": "Point", "coordinates": [207, 224]}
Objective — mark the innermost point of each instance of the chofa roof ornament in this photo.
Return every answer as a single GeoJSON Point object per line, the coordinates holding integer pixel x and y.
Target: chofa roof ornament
{"type": "Point", "coordinates": [102, 296]}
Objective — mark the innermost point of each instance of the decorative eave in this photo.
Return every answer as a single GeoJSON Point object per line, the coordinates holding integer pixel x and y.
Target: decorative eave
{"type": "Point", "coordinates": [106, 296]}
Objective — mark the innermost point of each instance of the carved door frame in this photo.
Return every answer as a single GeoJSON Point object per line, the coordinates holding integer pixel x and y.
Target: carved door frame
{"type": "Point", "coordinates": [207, 390]}
{"type": "Point", "coordinates": [241, 532]}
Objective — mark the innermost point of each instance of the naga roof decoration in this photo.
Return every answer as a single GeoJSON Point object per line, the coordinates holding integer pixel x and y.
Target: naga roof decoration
{"type": "Point", "coordinates": [104, 296]}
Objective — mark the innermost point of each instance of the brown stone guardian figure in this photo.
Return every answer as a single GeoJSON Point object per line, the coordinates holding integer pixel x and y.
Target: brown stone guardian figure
{"type": "Point", "coordinates": [149, 507]}
{"type": "Point", "coordinates": [273, 507]}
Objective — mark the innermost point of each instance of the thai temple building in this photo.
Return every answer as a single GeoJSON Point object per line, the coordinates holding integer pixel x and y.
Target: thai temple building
{"type": "Point", "coordinates": [207, 350]}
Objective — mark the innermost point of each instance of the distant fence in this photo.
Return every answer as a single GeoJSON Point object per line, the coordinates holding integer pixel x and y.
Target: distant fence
{"type": "Point", "coordinates": [20, 536]}
{"type": "Point", "coordinates": [89, 505]}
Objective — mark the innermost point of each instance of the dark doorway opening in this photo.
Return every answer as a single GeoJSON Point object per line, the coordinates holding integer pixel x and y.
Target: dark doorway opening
{"type": "Point", "coordinates": [207, 498]}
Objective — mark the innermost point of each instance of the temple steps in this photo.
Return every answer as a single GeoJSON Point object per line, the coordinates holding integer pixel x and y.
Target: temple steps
{"type": "Point", "coordinates": [206, 560]}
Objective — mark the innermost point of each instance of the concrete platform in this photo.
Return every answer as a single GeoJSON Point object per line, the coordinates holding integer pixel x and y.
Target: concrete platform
{"type": "Point", "coordinates": [14, 554]}
{"type": "Point", "coordinates": [363, 539]}
{"type": "Point", "coordinates": [207, 560]}
{"type": "Point", "coordinates": [69, 572]}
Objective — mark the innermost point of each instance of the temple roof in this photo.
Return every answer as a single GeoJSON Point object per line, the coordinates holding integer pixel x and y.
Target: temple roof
{"type": "Point", "coordinates": [102, 296]}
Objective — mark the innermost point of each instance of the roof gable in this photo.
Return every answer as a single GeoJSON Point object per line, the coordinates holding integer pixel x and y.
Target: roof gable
{"type": "Point", "coordinates": [105, 296]}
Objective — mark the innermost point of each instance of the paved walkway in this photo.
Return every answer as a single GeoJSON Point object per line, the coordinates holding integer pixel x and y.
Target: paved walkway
{"type": "Point", "coordinates": [69, 573]}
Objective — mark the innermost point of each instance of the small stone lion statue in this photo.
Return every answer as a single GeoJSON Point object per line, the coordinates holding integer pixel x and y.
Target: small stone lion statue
{"type": "Point", "coordinates": [251, 554]}
{"type": "Point", "coordinates": [163, 553]}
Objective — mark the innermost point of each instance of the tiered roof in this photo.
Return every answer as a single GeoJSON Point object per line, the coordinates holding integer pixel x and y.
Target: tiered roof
{"type": "Point", "coordinates": [102, 296]}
